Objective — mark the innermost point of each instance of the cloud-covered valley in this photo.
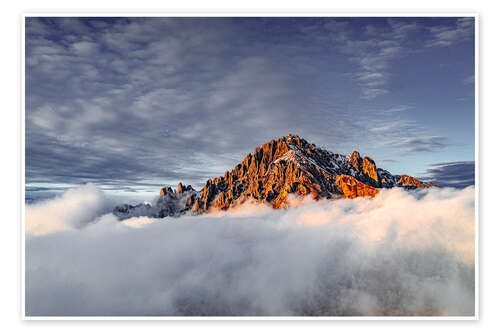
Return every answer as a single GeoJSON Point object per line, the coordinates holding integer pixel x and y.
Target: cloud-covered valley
{"type": "Point", "coordinates": [401, 253]}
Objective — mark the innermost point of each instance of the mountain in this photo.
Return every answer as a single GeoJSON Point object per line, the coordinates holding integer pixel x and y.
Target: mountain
{"type": "Point", "coordinates": [170, 203]}
{"type": "Point", "coordinates": [278, 168]}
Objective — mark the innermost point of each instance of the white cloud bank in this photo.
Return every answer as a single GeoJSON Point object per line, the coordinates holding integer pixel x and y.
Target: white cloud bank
{"type": "Point", "coordinates": [401, 253]}
{"type": "Point", "coordinates": [74, 209]}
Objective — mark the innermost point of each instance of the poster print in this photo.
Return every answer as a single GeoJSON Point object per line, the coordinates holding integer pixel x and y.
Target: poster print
{"type": "Point", "coordinates": [249, 166]}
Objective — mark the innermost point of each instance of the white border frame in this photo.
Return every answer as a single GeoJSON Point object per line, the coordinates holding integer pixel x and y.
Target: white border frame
{"type": "Point", "coordinates": [247, 14]}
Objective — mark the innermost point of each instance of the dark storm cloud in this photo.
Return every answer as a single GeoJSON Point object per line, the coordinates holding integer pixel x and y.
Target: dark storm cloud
{"type": "Point", "coordinates": [160, 100]}
{"type": "Point", "coordinates": [458, 174]}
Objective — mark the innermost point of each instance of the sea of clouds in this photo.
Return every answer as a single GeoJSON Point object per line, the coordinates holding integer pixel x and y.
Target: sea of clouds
{"type": "Point", "coordinates": [401, 253]}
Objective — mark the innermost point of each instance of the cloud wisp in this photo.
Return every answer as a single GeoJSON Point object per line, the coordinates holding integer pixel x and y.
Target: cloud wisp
{"type": "Point", "coordinates": [327, 258]}
{"type": "Point", "coordinates": [72, 210]}
{"type": "Point", "coordinates": [422, 144]}
{"type": "Point", "coordinates": [457, 174]}
{"type": "Point", "coordinates": [373, 49]}
{"type": "Point", "coordinates": [443, 36]}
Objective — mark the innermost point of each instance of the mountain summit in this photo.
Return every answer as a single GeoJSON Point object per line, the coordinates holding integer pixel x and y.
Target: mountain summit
{"type": "Point", "coordinates": [278, 168]}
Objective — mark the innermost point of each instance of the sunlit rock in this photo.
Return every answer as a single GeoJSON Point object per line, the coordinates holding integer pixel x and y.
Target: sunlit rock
{"type": "Point", "coordinates": [278, 168]}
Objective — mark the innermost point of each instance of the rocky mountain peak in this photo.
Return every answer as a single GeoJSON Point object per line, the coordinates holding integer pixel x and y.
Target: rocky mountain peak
{"type": "Point", "coordinates": [181, 188]}
{"type": "Point", "coordinates": [165, 190]}
{"type": "Point", "coordinates": [291, 165]}
{"type": "Point", "coordinates": [287, 166]}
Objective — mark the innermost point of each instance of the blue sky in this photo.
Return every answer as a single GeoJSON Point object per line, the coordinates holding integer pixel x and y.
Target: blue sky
{"type": "Point", "coordinates": [132, 104]}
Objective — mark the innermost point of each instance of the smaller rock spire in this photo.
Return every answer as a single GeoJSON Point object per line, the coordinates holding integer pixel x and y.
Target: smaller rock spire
{"type": "Point", "coordinates": [166, 190]}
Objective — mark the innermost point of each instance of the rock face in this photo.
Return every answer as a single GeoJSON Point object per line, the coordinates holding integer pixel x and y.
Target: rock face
{"type": "Point", "coordinates": [278, 168]}
{"type": "Point", "coordinates": [353, 188]}
{"type": "Point", "coordinates": [410, 182]}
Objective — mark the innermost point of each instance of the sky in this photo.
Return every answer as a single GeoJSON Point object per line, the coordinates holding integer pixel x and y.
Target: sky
{"type": "Point", "coordinates": [134, 104]}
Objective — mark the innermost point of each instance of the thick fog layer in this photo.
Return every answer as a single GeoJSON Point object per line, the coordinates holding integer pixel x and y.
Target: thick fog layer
{"type": "Point", "coordinates": [401, 253]}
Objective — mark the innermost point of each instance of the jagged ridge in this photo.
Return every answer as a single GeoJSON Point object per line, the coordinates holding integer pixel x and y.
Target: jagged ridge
{"type": "Point", "coordinates": [288, 165]}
